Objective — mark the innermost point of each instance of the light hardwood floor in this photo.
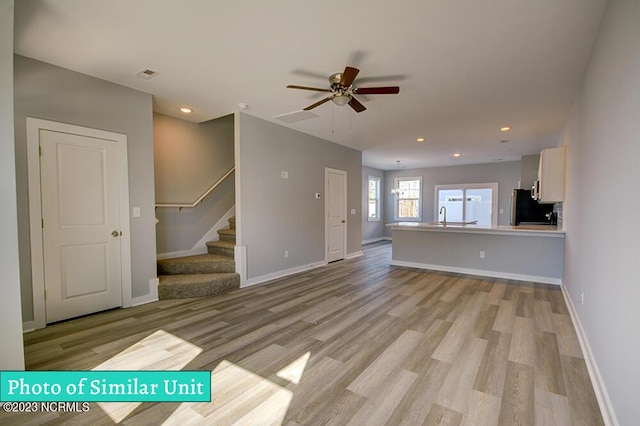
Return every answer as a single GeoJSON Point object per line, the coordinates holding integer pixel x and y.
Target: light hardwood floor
{"type": "Point", "coordinates": [355, 342]}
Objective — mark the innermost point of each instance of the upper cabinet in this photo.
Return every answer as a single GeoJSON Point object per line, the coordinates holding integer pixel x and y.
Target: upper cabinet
{"type": "Point", "coordinates": [549, 187]}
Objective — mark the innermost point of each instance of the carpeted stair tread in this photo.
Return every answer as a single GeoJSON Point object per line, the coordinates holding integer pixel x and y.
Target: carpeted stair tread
{"type": "Point", "coordinates": [221, 247]}
{"type": "Point", "coordinates": [198, 264]}
{"type": "Point", "coordinates": [196, 285]}
{"type": "Point", "coordinates": [227, 234]}
{"type": "Point", "coordinates": [219, 243]}
{"type": "Point", "coordinates": [203, 274]}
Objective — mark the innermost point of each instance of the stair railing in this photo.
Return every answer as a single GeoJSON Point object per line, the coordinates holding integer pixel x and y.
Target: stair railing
{"type": "Point", "coordinates": [202, 197]}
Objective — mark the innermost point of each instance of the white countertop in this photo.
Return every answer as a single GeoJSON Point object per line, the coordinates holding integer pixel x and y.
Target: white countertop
{"type": "Point", "coordinates": [524, 230]}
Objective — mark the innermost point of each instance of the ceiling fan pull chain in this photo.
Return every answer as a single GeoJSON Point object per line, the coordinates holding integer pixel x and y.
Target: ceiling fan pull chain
{"type": "Point", "coordinates": [333, 127]}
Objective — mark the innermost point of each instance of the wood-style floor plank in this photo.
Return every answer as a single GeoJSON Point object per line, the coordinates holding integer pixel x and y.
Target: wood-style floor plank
{"type": "Point", "coordinates": [458, 386]}
{"type": "Point", "coordinates": [493, 368]}
{"type": "Point", "coordinates": [354, 342]}
{"type": "Point", "coordinates": [518, 399]}
{"type": "Point", "coordinates": [483, 409]}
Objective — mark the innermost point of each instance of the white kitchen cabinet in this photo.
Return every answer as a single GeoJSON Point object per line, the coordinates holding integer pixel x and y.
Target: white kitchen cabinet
{"type": "Point", "coordinates": [550, 185]}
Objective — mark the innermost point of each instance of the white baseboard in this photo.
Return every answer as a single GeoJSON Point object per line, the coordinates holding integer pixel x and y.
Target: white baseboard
{"type": "Point", "coordinates": [147, 298]}
{"type": "Point", "coordinates": [201, 246]}
{"type": "Point", "coordinates": [354, 254]}
{"type": "Point", "coordinates": [374, 240]}
{"type": "Point", "coordinates": [280, 274]}
{"type": "Point", "coordinates": [183, 253]}
{"type": "Point", "coordinates": [480, 272]}
{"type": "Point", "coordinates": [28, 326]}
{"type": "Point", "coordinates": [606, 408]}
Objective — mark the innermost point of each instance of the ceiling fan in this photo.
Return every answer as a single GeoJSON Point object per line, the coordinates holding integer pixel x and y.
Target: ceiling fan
{"type": "Point", "coordinates": [342, 90]}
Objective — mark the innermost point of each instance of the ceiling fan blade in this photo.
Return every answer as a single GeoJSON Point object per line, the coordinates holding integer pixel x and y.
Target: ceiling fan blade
{"type": "Point", "coordinates": [348, 76]}
{"type": "Point", "coordinates": [381, 78]}
{"type": "Point", "coordinates": [310, 107]}
{"type": "Point", "coordinates": [356, 105]}
{"type": "Point", "coordinates": [292, 86]}
{"type": "Point", "coordinates": [389, 90]}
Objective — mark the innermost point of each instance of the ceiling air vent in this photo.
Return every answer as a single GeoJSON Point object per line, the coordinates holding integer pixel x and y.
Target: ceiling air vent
{"type": "Point", "coordinates": [146, 73]}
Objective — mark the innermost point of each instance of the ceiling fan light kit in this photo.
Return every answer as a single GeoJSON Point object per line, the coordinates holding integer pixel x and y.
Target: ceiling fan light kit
{"type": "Point", "coordinates": [341, 100]}
{"type": "Point", "coordinates": [342, 90]}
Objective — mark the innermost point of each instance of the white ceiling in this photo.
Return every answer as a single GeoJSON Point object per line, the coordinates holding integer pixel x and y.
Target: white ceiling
{"type": "Point", "coordinates": [465, 67]}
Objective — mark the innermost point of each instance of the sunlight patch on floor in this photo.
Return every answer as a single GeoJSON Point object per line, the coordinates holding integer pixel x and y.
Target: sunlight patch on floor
{"type": "Point", "coordinates": [158, 351]}
{"type": "Point", "coordinates": [241, 397]}
{"type": "Point", "coordinates": [293, 372]}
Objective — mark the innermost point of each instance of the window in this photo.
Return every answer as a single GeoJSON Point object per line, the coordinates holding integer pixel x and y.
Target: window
{"type": "Point", "coordinates": [408, 199]}
{"type": "Point", "coordinates": [373, 202]}
{"type": "Point", "coordinates": [468, 202]}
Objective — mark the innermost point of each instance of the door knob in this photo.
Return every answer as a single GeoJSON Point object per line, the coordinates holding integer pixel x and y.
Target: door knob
{"type": "Point", "coordinates": [116, 234]}
{"type": "Point", "coordinates": [343, 221]}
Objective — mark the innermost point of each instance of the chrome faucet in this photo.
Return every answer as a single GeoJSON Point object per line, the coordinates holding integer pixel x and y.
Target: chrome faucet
{"type": "Point", "coordinates": [444, 209]}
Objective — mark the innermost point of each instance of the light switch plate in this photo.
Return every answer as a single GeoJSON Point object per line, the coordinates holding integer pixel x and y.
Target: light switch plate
{"type": "Point", "coordinates": [353, 211]}
{"type": "Point", "coordinates": [136, 212]}
{"type": "Point", "coordinates": [284, 175]}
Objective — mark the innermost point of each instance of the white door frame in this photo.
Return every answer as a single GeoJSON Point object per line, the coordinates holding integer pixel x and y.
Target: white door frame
{"type": "Point", "coordinates": [328, 170]}
{"type": "Point", "coordinates": [34, 126]}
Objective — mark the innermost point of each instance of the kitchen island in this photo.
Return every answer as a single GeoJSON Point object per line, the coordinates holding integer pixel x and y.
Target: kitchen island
{"type": "Point", "coordinates": [525, 253]}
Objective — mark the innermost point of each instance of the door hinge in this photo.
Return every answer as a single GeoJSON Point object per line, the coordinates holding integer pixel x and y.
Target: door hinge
{"type": "Point", "coordinates": [45, 294]}
{"type": "Point", "coordinates": [42, 223]}
{"type": "Point", "coordinates": [40, 150]}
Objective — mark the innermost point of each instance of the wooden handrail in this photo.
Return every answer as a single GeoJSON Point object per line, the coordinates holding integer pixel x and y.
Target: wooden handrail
{"type": "Point", "coordinates": [203, 196]}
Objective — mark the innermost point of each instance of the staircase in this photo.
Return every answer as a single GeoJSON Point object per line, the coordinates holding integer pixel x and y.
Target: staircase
{"type": "Point", "coordinates": [204, 274]}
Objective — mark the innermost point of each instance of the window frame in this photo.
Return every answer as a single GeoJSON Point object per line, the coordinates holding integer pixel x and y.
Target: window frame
{"type": "Point", "coordinates": [396, 203]}
{"type": "Point", "coordinates": [377, 198]}
{"type": "Point", "coordinates": [464, 186]}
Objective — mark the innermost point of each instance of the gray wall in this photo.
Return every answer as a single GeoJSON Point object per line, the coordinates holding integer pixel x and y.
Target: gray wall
{"type": "Point", "coordinates": [282, 214]}
{"type": "Point", "coordinates": [505, 254]}
{"type": "Point", "coordinates": [507, 174]}
{"type": "Point", "coordinates": [53, 93]}
{"type": "Point", "coordinates": [372, 230]}
{"type": "Point", "coordinates": [602, 205]}
{"type": "Point", "coordinates": [189, 158]}
{"type": "Point", "coordinates": [11, 354]}
{"type": "Point", "coordinates": [529, 170]}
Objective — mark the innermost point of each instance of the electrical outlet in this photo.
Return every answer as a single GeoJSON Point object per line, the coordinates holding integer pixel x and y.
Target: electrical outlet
{"type": "Point", "coordinates": [284, 175]}
{"type": "Point", "coordinates": [286, 254]}
{"type": "Point", "coordinates": [482, 255]}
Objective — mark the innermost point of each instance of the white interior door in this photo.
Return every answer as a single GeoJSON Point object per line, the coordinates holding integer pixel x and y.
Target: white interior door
{"type": "Point", "coordinates": [81, 224]}
{"type": "Point", "coordinates": [336, 208]}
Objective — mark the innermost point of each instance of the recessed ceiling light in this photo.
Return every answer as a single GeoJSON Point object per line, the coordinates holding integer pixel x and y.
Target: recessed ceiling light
{"type": "Point", "coordinates": [505, 129]}
{"type": "Point", "coordinates": [457, 154]}
{"type": "Point", "coordinates": [420, 139]}
{"type": "Point", "coordinates": [186, 110]}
